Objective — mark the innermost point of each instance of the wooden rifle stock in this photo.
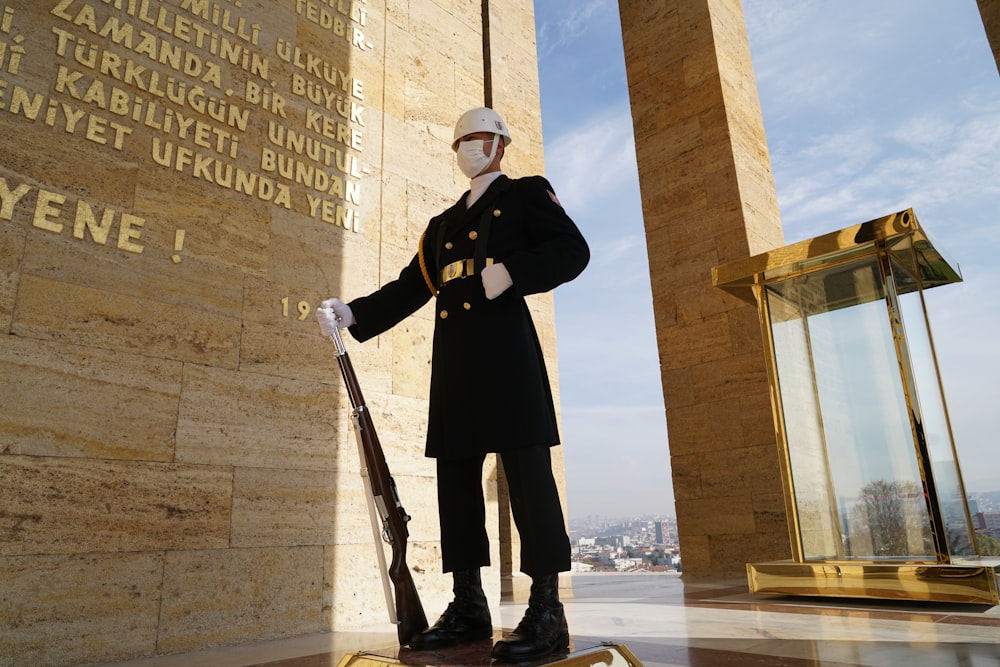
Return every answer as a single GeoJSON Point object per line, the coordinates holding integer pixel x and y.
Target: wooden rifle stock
{"type": "Point", "coordinates": [409, 613]}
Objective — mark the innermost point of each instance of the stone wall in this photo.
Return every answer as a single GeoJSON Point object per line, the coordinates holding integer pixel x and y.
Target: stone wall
{"type": "Point", "coordinates": [181, 183]}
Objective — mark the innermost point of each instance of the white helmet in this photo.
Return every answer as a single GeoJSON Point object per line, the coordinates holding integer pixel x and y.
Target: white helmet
{"type": "Point", "coordinates": [482, 119]}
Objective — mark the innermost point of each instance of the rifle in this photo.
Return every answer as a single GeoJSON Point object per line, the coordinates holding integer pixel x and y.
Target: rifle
{"type": "Point", "coordinates": [407, 612]}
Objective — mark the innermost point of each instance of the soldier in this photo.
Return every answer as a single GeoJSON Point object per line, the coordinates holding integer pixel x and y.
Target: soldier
{"type": "Point", "coordinates": [503, 240]}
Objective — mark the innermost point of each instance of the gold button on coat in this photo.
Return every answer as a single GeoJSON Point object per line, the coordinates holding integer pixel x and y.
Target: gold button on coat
{"type": "Point", "coordinates": [496, 213]}
{"type": "Point", "coordinates": [473, 235]}
{"type": "Point", "coordinates": [444, 314]}
{"type": "Point", "coordinates": [467, 305]}
{"type": "Point", "coordinates": [448, 246]}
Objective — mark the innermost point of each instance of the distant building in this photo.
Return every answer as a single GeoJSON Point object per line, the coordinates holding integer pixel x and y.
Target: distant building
{"type": "Point", "coordinates": [627, 564]}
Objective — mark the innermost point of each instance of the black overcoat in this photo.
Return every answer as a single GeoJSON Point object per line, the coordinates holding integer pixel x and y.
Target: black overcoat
{"type": "Point", "coordinates": [489, 390]}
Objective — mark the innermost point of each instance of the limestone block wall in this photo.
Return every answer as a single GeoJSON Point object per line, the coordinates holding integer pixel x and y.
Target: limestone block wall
{"type": "Point", "coordinates": [181, 183]}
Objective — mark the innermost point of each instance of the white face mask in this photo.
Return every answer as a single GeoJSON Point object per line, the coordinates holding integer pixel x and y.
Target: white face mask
{"type": "Point", "coordinates": [471, 159]}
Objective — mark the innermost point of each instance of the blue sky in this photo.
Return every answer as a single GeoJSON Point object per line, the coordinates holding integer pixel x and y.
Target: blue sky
{"type": "Point", "coordinates": [869, 108]}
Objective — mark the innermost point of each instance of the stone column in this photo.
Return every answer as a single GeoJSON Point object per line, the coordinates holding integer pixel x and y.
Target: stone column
{"type": "Point", "coordinates": [990, 11]}
{"type": "Point", "coordinates": [708, 198]}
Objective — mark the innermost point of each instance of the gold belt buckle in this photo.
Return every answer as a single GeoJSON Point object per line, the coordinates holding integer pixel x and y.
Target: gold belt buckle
{"type": "Point", "coordinates": [454, 270]}
{"type": "Point", "coordinates": [460, 269]}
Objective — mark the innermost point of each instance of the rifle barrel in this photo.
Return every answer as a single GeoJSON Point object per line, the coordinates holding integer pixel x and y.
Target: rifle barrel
{"type": "Point", "coordinates": [409, 613]}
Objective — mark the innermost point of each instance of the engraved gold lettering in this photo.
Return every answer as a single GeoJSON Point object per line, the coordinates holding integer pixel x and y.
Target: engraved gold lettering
{"type": "Point", "coordinates": [213, 170]}
{"type": "Point", "coordinates": [9, 198]}
{"type": "Point", "coordinates": [111, 64]}
{"type": "Point", "coordinates": [45, 211]}
{"type": "Point", "coordinates": [86, 18]}
{"type": "Point", "coordinates": [222, 18]}
{"type": "Point", "coordinates": [325, 15]}
{"type": "Point", "coordinates": [202, 167]}
{"type": "Point", "coordinates": [123, 103]}
{"type": "Point", "coordinates": [25, 103]}
{"type": "Point", "coordinates": [164, 52]}
{"type": "Point", "coordinates": [118, 32]}
{"type": "Point", "coordinates": [180, 28]}
{"type": "Point", "coordinates": [329, 98]}
{"type": "Point", "coordinates": [128, 231]}
{"type": "Point", "coordinates": [86, 220]}
{"type": "Point", "coordinates": [189, 71]}
{"type": "Point", "coordinates": [307, 174]}
{"type": "Point", "coordinates": [178, 246]}
{"type": "Point", "coordinates": [332, 129]}
{"type": "Point", "coordinates": [73, 116]}
{"type": "Point", "coordinates": [269, 100]}
{"type": "Point", "coordinates": [353, 193]}
{"type": "Point", "coordinates": [13, 49]}
{"type": "Point", "coordinates": [303, 144]}
{"type": "Point", "coordinates": [95, 94]}
{"type": "Point", "coordinates": [60, 10]}
{"type": "Point", "coordinates": [66, 81]}
{"type": "Point", "coordinates": [95, 129]}
{"type": "Point", "coordinates": [197, 7]}
{"type": "Point", "coordinates": [359, 39]}
{"type": "Point", "coordinates": [333, 213]}
{"type": "Point", "coordinates": [319, 68]}
{"type": "Point", "coordinates": [20, 102]}
{"type": "Point", "coordinates": [303, 307]}
{"type": "Point", "coordinates": [49, 208]}
{"type": "Point", "coordinates": [52, 113]}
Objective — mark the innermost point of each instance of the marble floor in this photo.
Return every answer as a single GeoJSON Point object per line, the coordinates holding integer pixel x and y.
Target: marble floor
{"type": "Point", "coordinates": [668, 622]}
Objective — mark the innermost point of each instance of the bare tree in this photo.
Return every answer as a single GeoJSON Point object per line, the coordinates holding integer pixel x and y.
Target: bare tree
{"type": "Point", "coordinates": [891, 513]}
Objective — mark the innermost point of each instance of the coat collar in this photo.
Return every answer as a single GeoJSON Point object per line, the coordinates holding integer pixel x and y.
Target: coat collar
{"type": "Point", "coordinates": [457, 217]}
{"type": "Point", "coordinates": [500, 185]}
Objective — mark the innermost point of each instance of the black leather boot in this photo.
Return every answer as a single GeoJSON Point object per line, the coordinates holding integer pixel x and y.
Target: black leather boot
{"type": "Point", "coordinates": [543, 628]}
{"type": "Point", "coordinates": [466, 619]}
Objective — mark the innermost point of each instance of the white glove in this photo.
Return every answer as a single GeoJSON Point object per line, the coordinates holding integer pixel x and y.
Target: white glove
{"type": "Point", "coordinates": [496, 280]}
{"type": "Point", "coordinates": [333, 314]}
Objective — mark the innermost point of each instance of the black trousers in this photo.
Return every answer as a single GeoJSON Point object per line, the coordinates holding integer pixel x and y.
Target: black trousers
{"type": "Point", "coordinates": [534, 501]}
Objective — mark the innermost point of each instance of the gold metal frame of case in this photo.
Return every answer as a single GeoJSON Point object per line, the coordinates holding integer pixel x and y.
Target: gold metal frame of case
{"type": "Point", "coordinates": [896, 231]}
{"type": "Point", "coordinates": [966, 580]}
{"type": "Point", "coordinates": [973, 581]}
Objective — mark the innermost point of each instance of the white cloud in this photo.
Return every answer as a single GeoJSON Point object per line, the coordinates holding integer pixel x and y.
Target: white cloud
{"type": "Point", "coordinates": [625, 248]}
{"type": "Point", "coordinates": [923, 131]}
{"type": "Point", "coordinates": [592, 159]}
{"type": "Point", "coordinates": [565, 25]}
{"type": "Point", "coordinates": [787, 54]}
{"type": "Point", "coordinates": [924, 161]}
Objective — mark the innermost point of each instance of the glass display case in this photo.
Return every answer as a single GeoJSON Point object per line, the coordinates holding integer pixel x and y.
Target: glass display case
{"type": "Point", "coordinates": [873, 490]}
